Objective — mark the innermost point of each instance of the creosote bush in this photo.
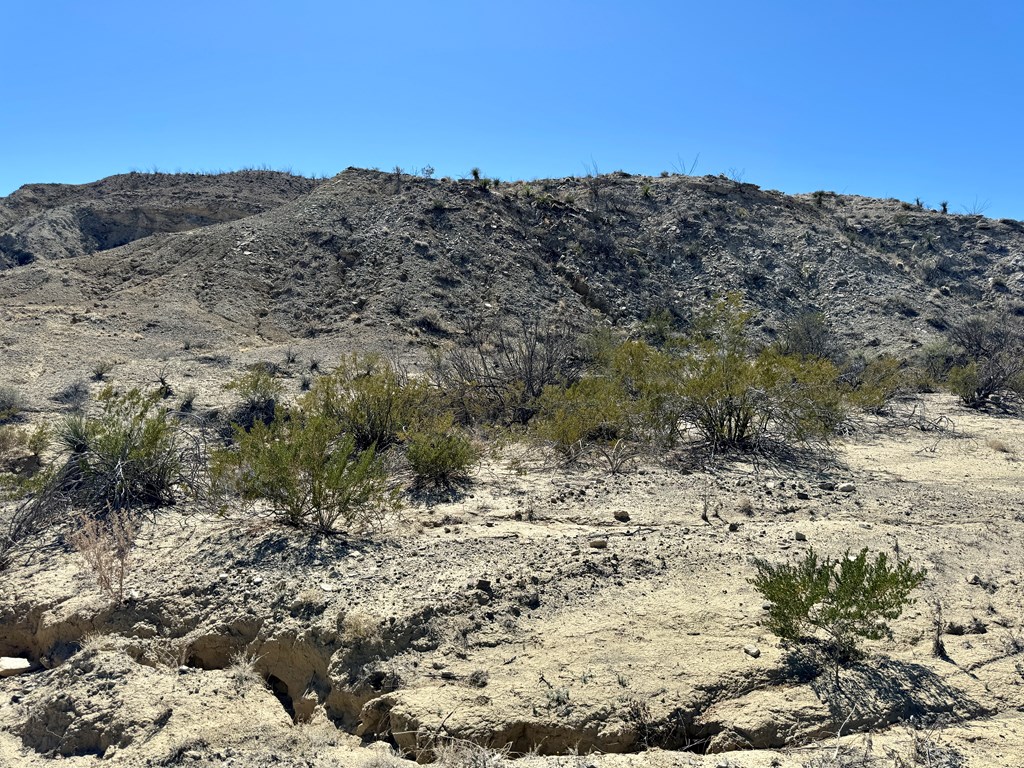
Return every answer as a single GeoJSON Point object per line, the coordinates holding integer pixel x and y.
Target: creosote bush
{"type": "Point", "coordinates": [844, 599]}
{"type": "Point", "coordinates": [309, 471]}
{"type": "Point", "coordinates": [371, 399]}
{"type": "Point", "coordinates": [258, 392]}
{"type": "Point", "coordinates": [439, 453]}
{"type": "Point", "coordinates": [988, 359]}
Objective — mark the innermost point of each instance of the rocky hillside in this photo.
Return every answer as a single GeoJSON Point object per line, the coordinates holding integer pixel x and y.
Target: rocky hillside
{"type": "Point", "coordinates": [55, 221]}
{"type": "Point", "coordinates": [269, 256]}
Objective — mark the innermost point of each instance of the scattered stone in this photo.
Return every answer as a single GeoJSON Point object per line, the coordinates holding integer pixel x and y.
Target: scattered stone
{"type": "Point", "coordinates": [733, 527]}
{"type": "Point", "coordinates": [223, 577]}
{"type": "Point", "coordinates": [827, 485]}
{"type": "Point", "coordinates": [13, 665]}
{"type": "Point", "coordinates": [752, 650]}
{"type": "Point", "coordinates": [622, 516]}
{"type": "Point", "coordinates": [327, 587]}
{"type": "Point", "coordinates": [847, 488]}
{"type": "Point", "coordinates": [800, 536]}
{"type": "Point", "coordinates": [599, 543]}
{"type": "Point", "coordinates": [803, 495]}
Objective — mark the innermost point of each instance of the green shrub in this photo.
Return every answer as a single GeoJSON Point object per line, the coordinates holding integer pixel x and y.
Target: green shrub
{"type": "Point", "coordinates": [594, 409]}
{"type": "Point", "coordinates": [309, 472]}
{"type": "Point", "coordinates": [371, 399]}
{"type": "Point", "coordinates": [874, 383]}
{"type": "Point", "coordinates": [809, 335]}
{"type": "Point", "coordinates": [439, 453]}
{"type": "Point", "coordinates": [989, 357]}
{"type": "Point", "coordinates": [844, 599]}
{"type": "Point", "coordinates": [259, 393]}
{"type": "Point", "coordinates": [738, 400]}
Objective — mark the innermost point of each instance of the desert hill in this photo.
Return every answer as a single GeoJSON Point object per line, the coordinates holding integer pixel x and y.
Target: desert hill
{"type": "Point", "coordinates": [267, 256]}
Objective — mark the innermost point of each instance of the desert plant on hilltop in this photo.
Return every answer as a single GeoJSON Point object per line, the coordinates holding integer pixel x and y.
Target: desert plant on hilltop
{"type": "Point", "coordinates": [989, 354]}
{"type": "Point", "coordinates": [309, 471]}
{"type": "Point", "coordinates": [844, 599]}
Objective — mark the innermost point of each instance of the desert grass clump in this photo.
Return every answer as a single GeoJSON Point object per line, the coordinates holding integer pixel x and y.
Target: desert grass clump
{"type": "Point", "coordinates": [101, 369]}
{"type": "Point", "coordinates": [843, 599]}
{"type": "Point", "coordinates": [11, 404]}
{"type": "Point", "coordinates": [310, 472]}
{"type": "Point", "coordinates": [74, 395]}
{"type": "Point", "coordinates": [105, 546]}
{"type": "Point", "coordinates": [130, 456]}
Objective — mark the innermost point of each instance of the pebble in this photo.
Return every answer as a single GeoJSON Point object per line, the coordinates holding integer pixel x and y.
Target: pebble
{"type": "Point", "coordinates": [733, 527]}
{"type": "Point", "coordinates": [847, 488]}
{"type": "Point", "coordinates": [800, 536]}
{"type": "Point", "coordinates": [803, 495]}
{"type": "Point", "coordinates": [622, 516]}
{"type": "Point", "coordinates": [827, 485]}
{"type": "Point", "coordinates": [752, 650]}
{"type": "Point", "coordinates": [13, 665]}
{"type": "Point", "coordinates": [599, 543]}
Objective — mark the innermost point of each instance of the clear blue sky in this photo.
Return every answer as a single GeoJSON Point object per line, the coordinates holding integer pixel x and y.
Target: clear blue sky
{"type": "Point", "coordinates": [888, 99]}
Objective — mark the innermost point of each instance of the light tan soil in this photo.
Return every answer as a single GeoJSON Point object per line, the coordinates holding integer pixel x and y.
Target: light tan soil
{"type": "Point", "coordinates": [493, 619]}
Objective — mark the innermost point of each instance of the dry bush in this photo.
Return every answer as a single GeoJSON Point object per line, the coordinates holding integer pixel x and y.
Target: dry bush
{"type": "Point", "coordinates": [106, 547]}
{"type": "Point", "coordinates": [502, 375]}
{"type": "Point", "coordinates": [11, 404]}
{"type": "Point", "coordinates": [360, 628]}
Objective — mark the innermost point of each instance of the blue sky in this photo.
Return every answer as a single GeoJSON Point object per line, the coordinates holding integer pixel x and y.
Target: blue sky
{"type": "Point", "coordinates": [886, 99]}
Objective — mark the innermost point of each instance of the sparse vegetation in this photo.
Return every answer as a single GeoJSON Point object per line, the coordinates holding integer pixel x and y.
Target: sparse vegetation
{"type": "Point", "coordinates": [988, 351]}
{"type": "Point", "coordinates": [105, 545]}
{"type": "Point", "coordinates": [844, 599]}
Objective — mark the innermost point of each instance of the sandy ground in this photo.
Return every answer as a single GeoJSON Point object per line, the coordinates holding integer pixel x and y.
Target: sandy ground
{"type": "Point", "coordinates": [531, 615]}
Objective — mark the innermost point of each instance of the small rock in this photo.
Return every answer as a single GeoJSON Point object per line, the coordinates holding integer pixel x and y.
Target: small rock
{"type": "Point", "coordinates": [847, 488]}
{"type": "Point", "coordinates": [752, 650]}
{"type": "Point", "coordinates": [803, 495]}
{"type": "Point", "coordinates": [183, 669]}
{"type": "Point", "coordinates": [327, 587]}
{"type": "Point", "coordinates": [800, 536]}
{"type": "Point", "coordinates": [599, 543]}
{"type": "Point", "coordinates": [622, 516]}
{"type": "Point", "coordinates": [974, 579]}
{"type": "Point", "coordinates": [484, 585]}
{"type": "Point", "coordinates": [223, 577]}
{"type": "Point", "coordinates": [13, 665]}
{"type": "Point", "coordinates": [827, 485]}
{"type": "Point", "coordinates": [447, 675]}
{"type": "Point", "coordinates": [733, 527]}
